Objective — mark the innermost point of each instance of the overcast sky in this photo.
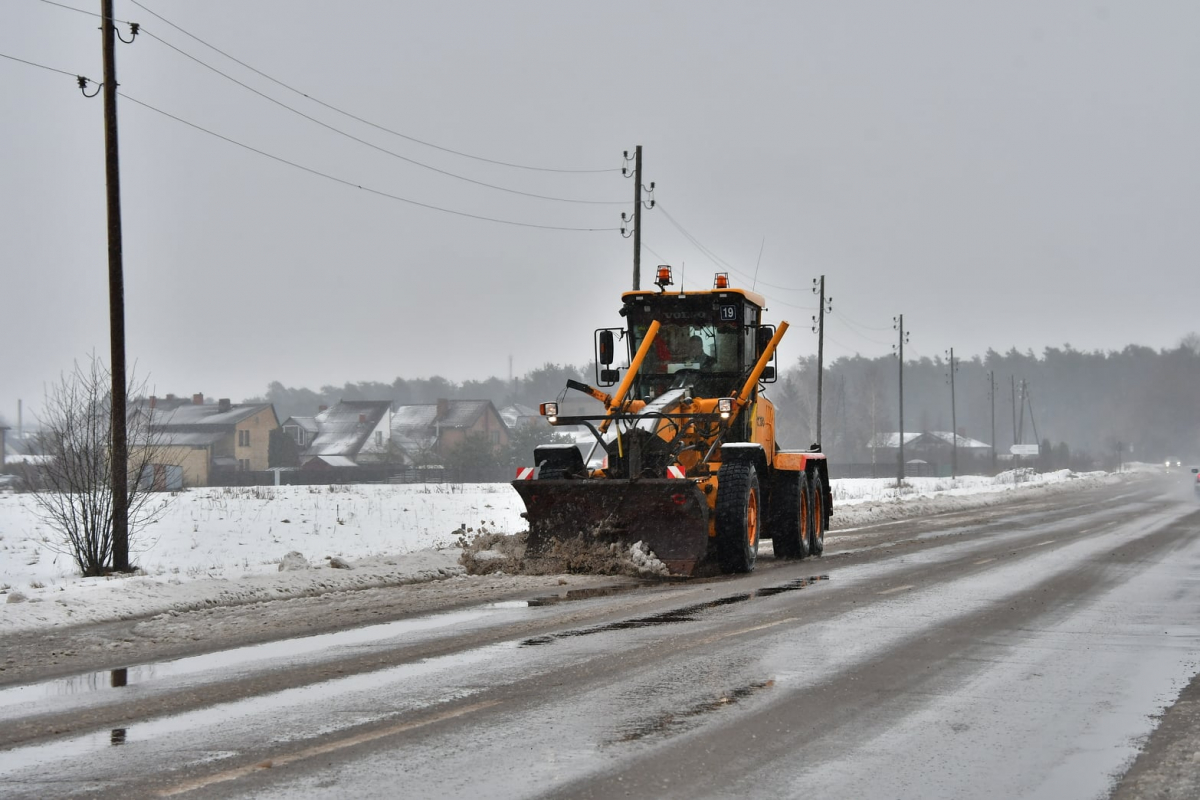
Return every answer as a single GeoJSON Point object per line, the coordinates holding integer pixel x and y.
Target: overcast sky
{"type": "Point", "coordinates": [1002, 173]}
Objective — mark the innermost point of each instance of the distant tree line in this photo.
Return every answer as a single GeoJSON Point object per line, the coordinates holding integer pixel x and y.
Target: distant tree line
{"type": "Point", "coordinates": [1136, 404]}
{"type": "Point", "coordinates": [1086, 408]}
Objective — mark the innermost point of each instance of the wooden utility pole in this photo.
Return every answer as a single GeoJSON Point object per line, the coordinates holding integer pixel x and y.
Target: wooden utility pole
{"type": "Point", "coordinates": [637, 218]}
{"type": "Point", "coordinates": [953, 422]}
{"type": "Point", "coordinates": [1013, 383]}
{"type": "Point", "coordinates": [819, 329]}
{"type": "Point", "coordinates": [900, 353]}
{"type": "Point", "coordinates": [116, 301]}
{"type": "Point", "coordinates": [992, 397]}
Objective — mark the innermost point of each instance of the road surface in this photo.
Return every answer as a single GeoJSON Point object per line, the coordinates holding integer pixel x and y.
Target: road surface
{"type": "Point", "coordinates": [1022, 651]}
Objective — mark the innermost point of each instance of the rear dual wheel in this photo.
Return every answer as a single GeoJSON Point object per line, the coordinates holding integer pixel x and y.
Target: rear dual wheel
{"type": "Point", "coordinates": [791, 515]}
{"type": "Point", "coordinates": [739, 500]}
{"type": "Point", "coordinates": [820, 517]}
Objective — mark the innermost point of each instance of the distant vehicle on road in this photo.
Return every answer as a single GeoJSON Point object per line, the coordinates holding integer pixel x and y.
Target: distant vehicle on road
{"type": "Point", "coordinates": [1196, 483]}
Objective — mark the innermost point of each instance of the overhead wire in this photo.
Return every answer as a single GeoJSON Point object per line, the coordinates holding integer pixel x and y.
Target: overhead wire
{"type": "Point", "coordinates": [81, 11]}
{"type": "Point", "coordinates": [43, 66]}
{"type": "Point", "coordinates": [372, 145]}
{"type": "Point", "coordinates": [357, 118]}
{"type": "Point", "coordinates": [352, 184]}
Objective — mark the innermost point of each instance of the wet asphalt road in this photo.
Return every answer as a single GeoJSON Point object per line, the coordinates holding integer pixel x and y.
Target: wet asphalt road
{"type": "Point", "coordinates": [1021, 651]}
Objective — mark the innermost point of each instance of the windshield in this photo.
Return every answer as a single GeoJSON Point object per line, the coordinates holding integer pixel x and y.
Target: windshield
{"type": "Point", "coordinates": [683, 352]}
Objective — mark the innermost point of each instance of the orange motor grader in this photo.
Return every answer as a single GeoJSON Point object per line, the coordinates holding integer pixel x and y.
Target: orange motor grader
{"type": "Point", "coordinates": [684, 457]}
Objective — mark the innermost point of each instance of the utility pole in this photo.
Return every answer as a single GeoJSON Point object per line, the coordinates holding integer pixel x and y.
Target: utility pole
{"type": "Point", "coordinates": [953, 421]}
{"type": "Point", "coordinates": [826, 307]}
{"type": "Point", "coordinates": [1013, 381]}
{"type": "Point", "coordinates": [899, 326]}
{"type": "Point", "coordinates": [119, 467]}
{"type": "Point", "coordinates": [637, 212]}
{"type": "Point", "coordinates": [992, 397]}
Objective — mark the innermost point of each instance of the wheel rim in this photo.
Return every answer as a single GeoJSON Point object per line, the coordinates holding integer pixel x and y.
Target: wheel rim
{"type": "Point", "coordinates": [819, 518]}
{"type": "Point", "coordinates": [752, 519]}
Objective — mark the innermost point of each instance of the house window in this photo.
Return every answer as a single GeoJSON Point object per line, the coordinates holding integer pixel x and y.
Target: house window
{"type": "Point", "coordinates": [495, 437]}
{"type": "Point", "coordinates": [244, 464]}
{"type": "Point", "coordinates": [379, 438]}
{"type": "Point", "coordinates": [243, 438]}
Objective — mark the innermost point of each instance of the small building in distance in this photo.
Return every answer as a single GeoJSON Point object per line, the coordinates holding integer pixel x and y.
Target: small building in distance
{"type": "Point", "coordinates": [207, 440]}
{"type": "Point", "coordinates": [427, 432]}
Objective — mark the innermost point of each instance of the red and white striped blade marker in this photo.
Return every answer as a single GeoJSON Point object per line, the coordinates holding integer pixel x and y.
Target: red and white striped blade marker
{"type": "Point", "coordinates": [676, 472]}
{"type": "Point", "coordinates": [524, 473]}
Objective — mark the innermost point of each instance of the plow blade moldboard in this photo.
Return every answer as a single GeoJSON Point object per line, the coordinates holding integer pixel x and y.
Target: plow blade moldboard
{"type": "Point", "coordinates": [670, 516]}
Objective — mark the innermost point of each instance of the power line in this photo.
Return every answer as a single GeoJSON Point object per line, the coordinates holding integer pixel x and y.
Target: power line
{"type": "Point", "coordinates": [358, 118]}
{"type": "Point", "coordinates": [345, 182]}
{"type": "Point", "coordinates": [80, 10]}
{"type": "Point", "coordinates": [43, 66]}
{"type": "Point", "coordinates": [723, 263]}
{"type": "Point", "coordinates": [371, 145]}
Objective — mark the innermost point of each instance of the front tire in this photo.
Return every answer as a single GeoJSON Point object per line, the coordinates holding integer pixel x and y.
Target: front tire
{"type": "Point", "coordinates": [739, 500]}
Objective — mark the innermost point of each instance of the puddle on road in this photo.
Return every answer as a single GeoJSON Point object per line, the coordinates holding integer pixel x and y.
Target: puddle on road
{"type": "Point", "coordinates": [683, 614]}
{"type": "Point", "coordinates": [670, 723]}
{"type": "Point", "coordinates": [290, 649]}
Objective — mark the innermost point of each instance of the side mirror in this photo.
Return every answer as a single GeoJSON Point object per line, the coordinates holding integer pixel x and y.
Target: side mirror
{"type": "Point", "coordinates": [609, 376]}
{"type": "Point", "coordinates": [607, 347]}
{"type": "Point", "coordinates": [762, 338]}
{"type": "Point", "coordinates": [768, 375]}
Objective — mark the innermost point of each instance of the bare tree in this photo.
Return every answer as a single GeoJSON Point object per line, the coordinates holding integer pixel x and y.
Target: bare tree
{"type": "Point", "coordinates": [73, 486]}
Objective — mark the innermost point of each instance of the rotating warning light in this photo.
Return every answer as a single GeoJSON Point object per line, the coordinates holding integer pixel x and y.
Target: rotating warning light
{"type": "Point", "coordinates": [550, 412]}
{"type": "Point", "coordinates": [725, 407]}
{"type": "Point", "coordinates": [721, 280]}
{"type": "Point", "coordinates": [663, 278]}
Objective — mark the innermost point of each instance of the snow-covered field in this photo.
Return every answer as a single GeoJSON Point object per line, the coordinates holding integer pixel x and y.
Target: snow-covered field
{"type": "Point", "coordinates": [223, 546]}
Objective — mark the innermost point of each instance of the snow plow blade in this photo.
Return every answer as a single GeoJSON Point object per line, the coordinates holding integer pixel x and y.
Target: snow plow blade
{"type": "Point", "coordinates": [669, 516]}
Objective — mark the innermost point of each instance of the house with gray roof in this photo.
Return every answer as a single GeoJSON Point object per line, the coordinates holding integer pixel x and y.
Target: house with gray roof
{"type": "Point", "coordinates": [353, 433]}
{"type": "Point", "coordinates": [206, 440]}
{"type": "Point", "coordinates": [427, 432]}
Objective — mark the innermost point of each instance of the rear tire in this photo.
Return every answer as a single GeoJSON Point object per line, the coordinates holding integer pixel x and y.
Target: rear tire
{"type": "Point", "coordinates": [791, 515]}
{"type": "Point", "coordinates": [739, 501]}
{"type": "Point", "coordinates": [820, 516]}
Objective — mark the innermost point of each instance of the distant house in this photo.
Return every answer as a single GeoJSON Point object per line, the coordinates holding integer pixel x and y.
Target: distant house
{"type": "Point", "coordinates": [301, 430]}
{"type": "Point", "coordinates": [933, 447]}
{"type": "Point", "coordinates": [428, 432]}
{"type": "Point", "coordinates": [353, 433]}
{"type": "Point", "coordinates": [518, 415]}
{"type": "Point", "coordinates": [208, 439]}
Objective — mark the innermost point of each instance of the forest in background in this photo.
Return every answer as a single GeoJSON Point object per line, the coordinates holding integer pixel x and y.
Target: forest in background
{"type": "Point", "coordinates": [1092, 407]}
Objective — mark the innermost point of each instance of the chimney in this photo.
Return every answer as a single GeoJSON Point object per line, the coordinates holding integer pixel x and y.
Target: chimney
{"type": "Point", "coordinates": [443, 408]}
{"type": "Point", "coordinates": [153, 402]}
{"type": "Point", "coordinates": [198, 399]}
{"type": "Point", "coordinates": [362, 419]}
{"type": "Point", "coordinates": [322, 408]}
{"type": "Point", "coordinates": [223, 404]}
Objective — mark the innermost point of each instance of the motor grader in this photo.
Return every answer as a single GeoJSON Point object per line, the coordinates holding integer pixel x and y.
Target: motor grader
{"type": "Point", "coordinates": [684, 457]}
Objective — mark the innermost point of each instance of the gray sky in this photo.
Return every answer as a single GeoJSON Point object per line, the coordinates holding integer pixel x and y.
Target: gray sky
{"type": "Point", "coordinates": [1002, 173]}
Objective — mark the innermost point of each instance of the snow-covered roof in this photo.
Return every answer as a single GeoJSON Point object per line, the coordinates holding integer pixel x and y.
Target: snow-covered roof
{"type": "Point", "coordinates": [964, 442]}
{"type": "Point", "coordinates": [512, 415]}
{"type": "Point", "coordinates": [343, 429]}
{"type": "Point", "coordinates": [333, 461]}
{"type": "Point", "coordinates": [455, 414]}
{"type": "Point", "coordinates": [208, 415]}
{"type": "Point", "coordinates": [306, 423]}
{"type": "Point", "coordinates": [891, 439]}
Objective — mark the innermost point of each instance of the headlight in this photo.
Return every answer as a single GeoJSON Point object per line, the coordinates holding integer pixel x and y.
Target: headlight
{"type": "Point", "coordinates": [725, 407]}
{"type": "Point", "coordinates": [550, 412]}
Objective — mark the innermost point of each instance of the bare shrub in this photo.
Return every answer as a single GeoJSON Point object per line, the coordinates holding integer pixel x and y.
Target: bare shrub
{"type": "Point", "coordinates": [73, 490]}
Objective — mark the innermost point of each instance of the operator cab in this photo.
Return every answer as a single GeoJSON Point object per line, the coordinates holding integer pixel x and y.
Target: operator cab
{"type": "Point", "coordinates": [709, 340]}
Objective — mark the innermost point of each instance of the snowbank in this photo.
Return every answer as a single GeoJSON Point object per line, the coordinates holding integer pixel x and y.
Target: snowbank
{"type": "Point", "coordinates": [224, 546]}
